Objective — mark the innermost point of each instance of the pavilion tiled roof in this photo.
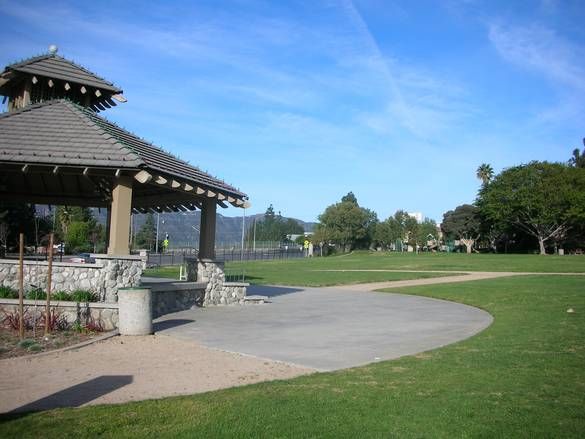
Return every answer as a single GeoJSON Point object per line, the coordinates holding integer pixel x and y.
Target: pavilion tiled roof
{"type": "Point", "coordinates": [55, 66]}
{"type": "Point", "coordinates": [62, 133]}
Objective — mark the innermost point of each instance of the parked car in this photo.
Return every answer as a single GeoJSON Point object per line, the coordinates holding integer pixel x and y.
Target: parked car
{"type": "Point", "coordinates": [83, 258]}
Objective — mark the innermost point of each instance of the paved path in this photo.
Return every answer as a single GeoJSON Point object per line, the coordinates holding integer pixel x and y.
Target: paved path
{"type": "Point", "coordinates": [328, 328]}
{"type": "Point", "coordinates": [460, 276]}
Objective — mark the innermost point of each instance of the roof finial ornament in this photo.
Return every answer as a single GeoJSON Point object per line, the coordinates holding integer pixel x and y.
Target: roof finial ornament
{"type": "Point", "coordinates": [53, 49]}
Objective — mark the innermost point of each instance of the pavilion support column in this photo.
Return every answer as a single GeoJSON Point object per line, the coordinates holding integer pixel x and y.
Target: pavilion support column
{"type": "Point", "coordinates": [120, 217]}
{"type": "Point", "coordinates": [207, 230]}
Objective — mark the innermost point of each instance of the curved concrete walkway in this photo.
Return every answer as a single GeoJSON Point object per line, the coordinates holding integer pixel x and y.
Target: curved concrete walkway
{"type": "Point", "coordinates": [328, 328]}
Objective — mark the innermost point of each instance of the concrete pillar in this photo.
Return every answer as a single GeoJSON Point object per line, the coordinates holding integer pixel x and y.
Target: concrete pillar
{"type": "Point", "coordinates": [120, 217]}
{"type": "Point", "coordinates": [207, 230]}
{"type": "Point", "coordinates": [135, 311]}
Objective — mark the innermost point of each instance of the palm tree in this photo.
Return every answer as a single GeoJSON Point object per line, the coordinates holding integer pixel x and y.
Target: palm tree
{"type": "Point", "coordinates": [64, 214]}
{"type": "Point", "coordinates": [578, 159]}
{"type": "Point", "coordinates": [485, 173]}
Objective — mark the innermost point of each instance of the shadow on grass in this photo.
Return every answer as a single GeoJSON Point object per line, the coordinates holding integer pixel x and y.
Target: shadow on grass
{"type": "Point", "coordinates": [74, 396]}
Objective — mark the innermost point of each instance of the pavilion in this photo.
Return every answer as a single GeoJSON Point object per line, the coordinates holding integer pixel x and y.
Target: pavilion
{"type": "Point", "coordinates": [55, 149]}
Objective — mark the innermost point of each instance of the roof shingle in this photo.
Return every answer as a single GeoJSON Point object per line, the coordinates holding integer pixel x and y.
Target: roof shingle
{"type": "Point", "coordinates": [55, 66]}
{"type": "Point", "coordinates": [60, 132]}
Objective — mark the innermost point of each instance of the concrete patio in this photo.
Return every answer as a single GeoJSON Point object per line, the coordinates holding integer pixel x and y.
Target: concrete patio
{"type": "Point", "coordinates": [327, 328]}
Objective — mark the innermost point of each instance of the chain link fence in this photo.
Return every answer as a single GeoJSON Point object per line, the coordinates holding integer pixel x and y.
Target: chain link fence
{"type": "Point", "coordinates": [177, 256]}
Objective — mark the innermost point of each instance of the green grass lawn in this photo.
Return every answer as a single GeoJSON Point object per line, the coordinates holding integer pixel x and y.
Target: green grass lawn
{"type": "Point", "coordinates": [271, 273]}
{"type": "Point", "coordinates": [306, 272]}
{"type": "Point", "coordinates": [524, 376]}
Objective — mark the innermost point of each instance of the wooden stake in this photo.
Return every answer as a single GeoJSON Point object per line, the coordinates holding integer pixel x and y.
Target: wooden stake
{"type": "Point", "coordinates": [49, 278]}
{"type": "Point", "coordinates": [21, 288]}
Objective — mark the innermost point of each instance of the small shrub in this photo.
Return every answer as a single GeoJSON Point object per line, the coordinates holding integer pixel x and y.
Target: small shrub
{"type": "Point", "coordinates": [8, 293]}
{"type": "Point", "coordinates": [93, 325]}
{"type": "Point", "coordinates": [36, 294]}
{"type": "Point", "coordinates": [83, 296]}
{"type": "Point", "coordinates": [35, 347]}
{"type": "Point", "coordinates": [11, 319]}
{"type": "Point", "coordinates": [26, 343]}
{"type": "Point", "coordinates": [78, 327]}
{"type": "Point", "coordinates": [57, 320]}
{"type": "Point", "coordinates": [61, 295]}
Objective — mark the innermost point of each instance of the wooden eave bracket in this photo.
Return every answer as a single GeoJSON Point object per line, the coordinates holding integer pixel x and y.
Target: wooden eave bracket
{"type": "Point", "coordinates": [143, 177]}
{"type": "Point", "coordinates": [119, 98]}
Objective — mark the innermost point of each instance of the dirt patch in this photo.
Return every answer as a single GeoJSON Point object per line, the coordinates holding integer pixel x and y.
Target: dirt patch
{"type": "Point", "coordinates": [35, 342]}
{"type": "Point", "coordinates": [123, 369]}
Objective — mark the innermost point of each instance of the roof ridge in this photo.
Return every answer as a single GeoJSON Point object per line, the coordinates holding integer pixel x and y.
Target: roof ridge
{"type": "Point", "coordinates": [102, 120]}
{"type": "Point", "coordinates": [37, 58]}
{"type": "Point", "coordinates": [28, 60]}
{"type": "Point", "coordinates": [30, 107]}
{"type": "Point", "coordinates": [87, 117]}
{"type": "Point", "coordinates": [134, 152]}
{"type": "Point", "coordinates": [107, 121]}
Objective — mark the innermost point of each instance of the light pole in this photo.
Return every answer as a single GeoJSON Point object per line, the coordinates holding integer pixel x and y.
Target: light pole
{"type": "Point", "coordinates": [157, 224]}
{"type": "Point", "coordinates": [247, 204]}
{"type": "Point", "coordinates": [156, 240]}
{"type": "Point", "coordinates": [198, 231]}
{"type": "Point", "coordinates": [254, 235]}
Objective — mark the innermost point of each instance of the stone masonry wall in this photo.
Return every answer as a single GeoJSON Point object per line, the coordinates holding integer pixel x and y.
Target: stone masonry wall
{"type": "Point", "coordinates": [104, 313]}
{"type": "Point", "coordinates": [104, 277]}
{"type": "Point", "coordinates": [169, 301]}
{"type": "Point", "coordinates": [218, 291]}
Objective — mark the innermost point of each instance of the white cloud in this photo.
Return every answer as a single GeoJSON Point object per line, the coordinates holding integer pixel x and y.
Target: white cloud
{"type": "Point", "coordinates": [543, 50]}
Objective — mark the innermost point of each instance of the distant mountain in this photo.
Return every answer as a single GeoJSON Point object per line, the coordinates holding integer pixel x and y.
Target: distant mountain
{"type": "Point", "coordinates": [183, 227]}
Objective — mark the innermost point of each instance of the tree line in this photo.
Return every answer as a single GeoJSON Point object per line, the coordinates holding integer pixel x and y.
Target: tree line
{"type": "Point", "coordinates": [345, 226]}
{"type": "Point", "coordinates": [539, 206]}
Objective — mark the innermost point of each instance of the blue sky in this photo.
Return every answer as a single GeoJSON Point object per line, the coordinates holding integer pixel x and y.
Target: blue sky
{"type": "Point", "coordinates": [297, 103]}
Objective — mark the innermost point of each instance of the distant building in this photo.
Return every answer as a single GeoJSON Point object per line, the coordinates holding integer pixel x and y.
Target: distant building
{"type": "Point", "coordinates": [418, 216]}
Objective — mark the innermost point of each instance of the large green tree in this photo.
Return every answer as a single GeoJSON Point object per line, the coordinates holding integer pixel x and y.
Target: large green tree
{"type": "Point", "coordinates": [346, 224]}
{"type": "Point", "coordinates": [78, 237]}
{"type": "Point", "coordinates": [399, 227]}
{"type": "Point", "coordinates": [388, 232]}
{"type": "Point", "coordinates": [426, 232]}
{"type": "Point", "coordinates": [463, 224]}
{"type": "Point", "coordinates": [273, 227]}
{"type": "Point", "coordinates": [146, 236]}
{"type": "Point", "coordinates": [86, 234]}
{"type": "Point", "coordinates": [543, 199]}
{"type": "Point", "coordinates": [16, 218]}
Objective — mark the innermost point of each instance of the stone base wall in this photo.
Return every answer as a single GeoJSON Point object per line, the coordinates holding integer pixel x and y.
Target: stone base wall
{"type": "Point", "coordinates": [218, 291]}
{"type": "Point", "coordinates": [178, 296]}
{"type": "Point", "coordinates": [103, 278]}
{"type": "Point", "coordinates": [234, 292]}
{"type": "Point", "coordinates": [104, 313]}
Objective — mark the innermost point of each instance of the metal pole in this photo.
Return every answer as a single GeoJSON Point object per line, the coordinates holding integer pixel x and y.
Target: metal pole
{"type": "Point", "coordinates": [49, 276]}
{"type": "Point", "coordinates": [243, 225]}
{"type": "Point", "coordinates": [21, 288]}
{"type": "Point", "coordinates": [157, 222]}
{"type": "Point", "coordinates": [254, 234]}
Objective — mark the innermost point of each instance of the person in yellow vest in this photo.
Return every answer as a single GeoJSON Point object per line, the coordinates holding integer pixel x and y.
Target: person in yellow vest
{"type": "Point", "coordinates": [306, 247]}
{"type": "Point", "coordinates": [165, 244]}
